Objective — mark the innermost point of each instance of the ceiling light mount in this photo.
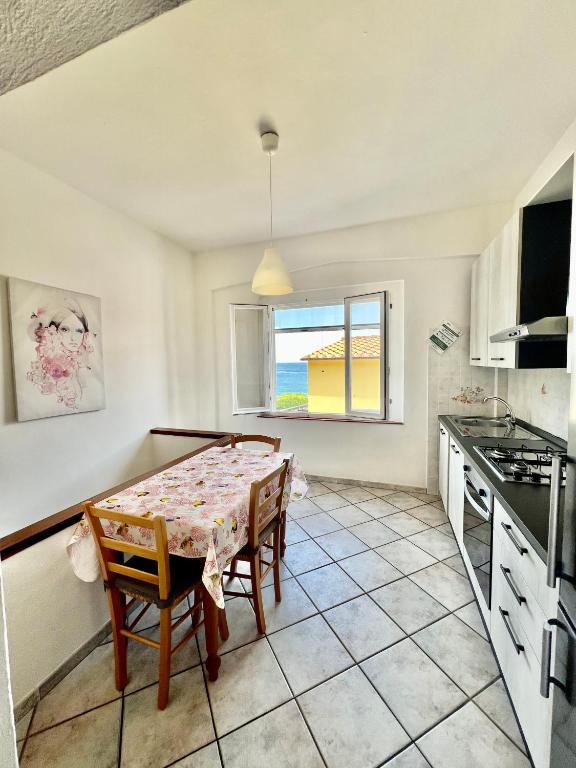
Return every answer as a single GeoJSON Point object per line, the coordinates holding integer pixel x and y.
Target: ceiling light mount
{"type": "Point", "coordinates": [270, 142]}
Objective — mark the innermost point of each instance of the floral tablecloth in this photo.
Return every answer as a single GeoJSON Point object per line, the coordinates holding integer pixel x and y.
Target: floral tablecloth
{"type": "Point", "coordinates": [205, 502]}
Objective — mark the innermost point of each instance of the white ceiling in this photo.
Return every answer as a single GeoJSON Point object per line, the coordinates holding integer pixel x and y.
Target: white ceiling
{"type": "Point", "coordinates": [385, 108]}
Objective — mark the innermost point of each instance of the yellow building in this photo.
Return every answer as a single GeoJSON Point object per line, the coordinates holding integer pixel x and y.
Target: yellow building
{"type": "Point", "coordinates": [326, 376]}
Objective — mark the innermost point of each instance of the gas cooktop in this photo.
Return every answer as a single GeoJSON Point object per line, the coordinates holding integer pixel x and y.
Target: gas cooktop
{"type": "Point", "coordinates": [522, 465]}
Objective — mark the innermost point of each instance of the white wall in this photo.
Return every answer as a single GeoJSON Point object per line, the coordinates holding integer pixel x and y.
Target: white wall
{"type": "Point", "coordinates": [49, 233]}
{"type": "Point", "coordinates": [542, 397]}
{"type": "Point", "coordinates": [432, 254]}
{"type": "Point", "coordinates": [52, 234]}
{"type": "Point", "coordinates": [8, 758]}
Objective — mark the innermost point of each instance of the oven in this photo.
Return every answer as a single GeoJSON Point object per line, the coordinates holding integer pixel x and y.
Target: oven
{"type": "Point", "coordinates": [477, 535]}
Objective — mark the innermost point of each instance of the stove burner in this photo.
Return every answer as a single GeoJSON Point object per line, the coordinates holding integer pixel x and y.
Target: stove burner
{"type": "Point", "coordinates": [501, 453]}
{"type": "Point", "coordinates": [522, 465]}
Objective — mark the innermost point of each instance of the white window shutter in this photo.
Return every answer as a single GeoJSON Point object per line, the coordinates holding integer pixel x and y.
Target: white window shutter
{"type": "Point", "coordinates": [250, 364]}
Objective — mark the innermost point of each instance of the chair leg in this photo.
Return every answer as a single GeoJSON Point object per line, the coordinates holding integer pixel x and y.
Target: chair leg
{"type": "Point", "coordinates": [197, 612]}
{"type": "Point", "coordinates": [276, 554]}
{"type": "Point", "coordinates": [223, 624]}
{"type": "Point", "coordinates": [165, 655]}
{"type": "Point", "coordinates": [255, 577]}
{"type": "Point", "coordinates": [233, 569]}
{"type": "Point", "coordinates": [116, 602]}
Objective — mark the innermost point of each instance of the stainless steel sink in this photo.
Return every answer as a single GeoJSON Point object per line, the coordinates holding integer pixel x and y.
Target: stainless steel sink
{"type": "Point", "coordinates": [485, 426]}
{"type": "Point", "coordinates": [480, 421]}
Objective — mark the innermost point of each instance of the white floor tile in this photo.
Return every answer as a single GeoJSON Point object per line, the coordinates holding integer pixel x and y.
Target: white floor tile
{"type": "Point", "coordinates": [415, 689]}
{"type": "Point", "coordinates": [249, 684]}
{"type": "Point", "coordinates": [363, 627]}
{"type": "Point", "coordinates": [369, 570]}
{"type": "Point", "coordinates": [468, 738]}
{"type": "Point", "coordinates": [352, 725]}
{"type": "Point", "coordinates": [328, 586]}
{"type": "Point", "coordinates": [279, 739]}
{"type": "Point", "coordinates": [309, 653]}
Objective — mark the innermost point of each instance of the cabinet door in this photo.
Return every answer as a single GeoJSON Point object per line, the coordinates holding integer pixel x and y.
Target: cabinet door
{"type": "Point", "coordinates": [503, 293]}
{"type": "Point", "coordinates": [456, 492]}
{"type": "Point", "coordinates": [443, 466]}
{"type": "Point", "coordinates": [479, 310]}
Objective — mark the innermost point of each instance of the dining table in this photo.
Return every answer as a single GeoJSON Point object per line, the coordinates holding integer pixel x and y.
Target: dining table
{"type": "Point", "coordinates": [205, 501]}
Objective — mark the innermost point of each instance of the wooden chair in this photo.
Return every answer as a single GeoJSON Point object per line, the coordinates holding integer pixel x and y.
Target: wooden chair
{"type": "Point", "coordinates": [273, 441]}
{"type": "Point", "coordinates": [264, 523]}
{"type": "Point", "coordinates": [153, 577]}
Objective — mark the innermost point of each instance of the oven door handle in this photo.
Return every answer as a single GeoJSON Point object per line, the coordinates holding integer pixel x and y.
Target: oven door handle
{"type": "Point", "coordinates": [474, 498]}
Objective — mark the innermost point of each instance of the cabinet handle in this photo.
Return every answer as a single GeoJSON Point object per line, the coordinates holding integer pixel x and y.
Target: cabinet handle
{"type": "Point", "coordinates": [497, 358]}
{"type": "Point", "coordinates": [546, 678]}
{"type": "Point", "coordinates": [517, 646]}
{"type": "Point", "coordinates": [475, 358]}
{"type": "Point", "coordinates": [546, 661]}
{"type": "Point", "coordinates": [519, 548]}
{"type": "Point", "coordinates": [554, 540]}
{"type": "Point", "coordinates": [517, 596]}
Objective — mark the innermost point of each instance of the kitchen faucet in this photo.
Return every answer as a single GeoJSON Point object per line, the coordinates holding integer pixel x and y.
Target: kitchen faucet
{"type": "Point", "coordinates": [510, 418]}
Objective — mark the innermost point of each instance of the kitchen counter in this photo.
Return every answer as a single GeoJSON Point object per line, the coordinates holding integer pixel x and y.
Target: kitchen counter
{"type": "Point", "coordinates": [528, 505]}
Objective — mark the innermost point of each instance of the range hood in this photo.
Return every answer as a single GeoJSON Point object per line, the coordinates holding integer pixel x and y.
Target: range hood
{"type": "Point", "coordinates": [545, 329]}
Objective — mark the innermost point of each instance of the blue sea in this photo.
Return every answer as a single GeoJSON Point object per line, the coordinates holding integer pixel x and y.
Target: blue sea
{"type": "Point", "coordinates": [291, 377]}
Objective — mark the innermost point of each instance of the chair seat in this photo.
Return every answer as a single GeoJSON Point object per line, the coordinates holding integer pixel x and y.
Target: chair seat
{"type": "Point", "coordinates": [247, 550]}
{"type": "Point", "coordinates": [185, 575]}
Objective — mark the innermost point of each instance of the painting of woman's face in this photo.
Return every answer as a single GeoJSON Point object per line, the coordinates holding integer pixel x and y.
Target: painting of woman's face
{"type": "Point", "coordinates": [71, 332]}
{"type": "Point", "coordinates": [57, 350]}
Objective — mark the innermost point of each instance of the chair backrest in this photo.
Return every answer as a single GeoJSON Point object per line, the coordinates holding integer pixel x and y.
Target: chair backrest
{"type": "Point", "coordinates": [110, 550]}
{"type": "Point", "coordinates": [262, 512]}
{"type": "Point", "coordinates": [273, 441]}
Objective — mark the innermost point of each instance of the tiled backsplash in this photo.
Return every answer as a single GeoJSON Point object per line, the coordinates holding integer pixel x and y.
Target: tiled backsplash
{"type": "Point", "coordinates": [455, 387]}
{"type": "Point", "coordinates": [541, 397]}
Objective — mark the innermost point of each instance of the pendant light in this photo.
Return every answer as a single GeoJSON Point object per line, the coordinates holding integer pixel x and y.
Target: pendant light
{"type": "Point", "coordinates": [271, 278]}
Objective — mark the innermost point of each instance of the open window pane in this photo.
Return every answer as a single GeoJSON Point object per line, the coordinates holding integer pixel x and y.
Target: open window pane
{"type": "Point", "coordinates": [366, 355]}
{"type": "Point", "coordinates": [250, 358]}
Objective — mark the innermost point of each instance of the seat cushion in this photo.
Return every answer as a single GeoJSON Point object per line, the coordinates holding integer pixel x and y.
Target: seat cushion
{"type": "Point", "coordinates": [185, 575]}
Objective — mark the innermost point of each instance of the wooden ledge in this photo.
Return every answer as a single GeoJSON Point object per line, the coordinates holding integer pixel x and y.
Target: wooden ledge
{"type": "Point", "coordinates": [32, 534]}
{"type": "Point", "coordinates": [328, 417]}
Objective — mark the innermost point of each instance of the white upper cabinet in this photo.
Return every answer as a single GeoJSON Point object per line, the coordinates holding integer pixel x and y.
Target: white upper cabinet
{"type": "Point", "coordinates": [503, 292]}
{"type": "Point", "coordinates": [479, 310]}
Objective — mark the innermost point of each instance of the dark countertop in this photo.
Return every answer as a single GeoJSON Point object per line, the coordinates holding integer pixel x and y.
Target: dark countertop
{"type": "Point", "coordinates": [526, 504]}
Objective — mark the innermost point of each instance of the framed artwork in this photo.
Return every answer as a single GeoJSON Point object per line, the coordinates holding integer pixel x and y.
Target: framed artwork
{"type": "Point", "coordinates": [56, 350]}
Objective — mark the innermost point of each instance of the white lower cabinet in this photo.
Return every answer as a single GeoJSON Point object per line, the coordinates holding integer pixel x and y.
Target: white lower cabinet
{"type": "Point", "coordinates": [516, 629]}
{"type": "Point", "coordinates": [455, 506]}
{"type": "Point", "coordinates": [443, 465]}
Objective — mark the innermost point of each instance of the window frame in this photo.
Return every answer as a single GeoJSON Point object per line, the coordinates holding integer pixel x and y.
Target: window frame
{"type": "Point", "coordinates": [382, 325]}
{"type": "Point", "coordinates": [268, 347]}
{"type": "Point", "coordinates": [392, 362]}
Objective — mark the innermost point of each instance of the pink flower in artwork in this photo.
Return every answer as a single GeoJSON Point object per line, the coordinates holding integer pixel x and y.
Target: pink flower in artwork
{"type": "Point", "coordinates": [58, 367]}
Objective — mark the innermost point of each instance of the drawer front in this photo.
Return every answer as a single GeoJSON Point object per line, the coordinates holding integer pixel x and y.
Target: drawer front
{"type": "Point", "coordinates": [521, 669]}
{"type": "Point", "coordinates": [510, 584]}
{"type": "Point", "coordinates": [524, 560]}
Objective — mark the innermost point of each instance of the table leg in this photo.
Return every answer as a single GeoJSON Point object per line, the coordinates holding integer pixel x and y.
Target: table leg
{"type": "Point", "coordinates": [211, 633]}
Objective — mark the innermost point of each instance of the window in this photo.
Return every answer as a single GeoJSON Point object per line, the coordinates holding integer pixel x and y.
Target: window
{"type": "Point", "coordinates": [328, 358]}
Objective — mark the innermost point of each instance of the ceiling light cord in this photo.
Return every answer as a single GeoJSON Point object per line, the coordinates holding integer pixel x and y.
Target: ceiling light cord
{"type": "Point", "coordinates": [270, 192]}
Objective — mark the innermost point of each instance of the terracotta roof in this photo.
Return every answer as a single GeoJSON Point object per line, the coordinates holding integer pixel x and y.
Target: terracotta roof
{"type": "Point", "coordinates": [362, 346]}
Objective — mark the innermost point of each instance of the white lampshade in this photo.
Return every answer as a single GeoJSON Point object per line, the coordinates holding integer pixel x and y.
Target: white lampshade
{"type": "Point", "coordinates": [272, 278]}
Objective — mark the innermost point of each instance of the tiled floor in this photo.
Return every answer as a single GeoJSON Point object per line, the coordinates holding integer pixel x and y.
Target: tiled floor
{"type": "Point", "coordinates": [376, 656]}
